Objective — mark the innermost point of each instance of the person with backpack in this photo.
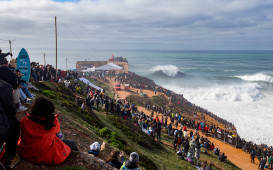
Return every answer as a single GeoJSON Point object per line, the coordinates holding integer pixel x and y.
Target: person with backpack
{"type": "Point", "coordinates": [132, 163]}
{"type": "Point", "coordinates": [252, 156]}
{"type": "Point", "coordinates": [197, 149]}
{"type": "Point", "coordinates": [186, 147]}
{"type": "Point", "coordinates": [177, 142]}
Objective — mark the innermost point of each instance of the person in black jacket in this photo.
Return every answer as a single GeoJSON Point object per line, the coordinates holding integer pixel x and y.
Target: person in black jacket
{"type": "Point", "coordinates": [10, 77]}
{"type": "Point", "coordinates": [158, 131]}
{"type": "Point", "coordinates": [9, 124]}
{"type": "Point", "coordinates": [186, 147]}
{"type": "Point", "coordinates": [222, 157]}
{"type": "Point", "coordinates": [112, 105]}
{"type": "Point", "coordinates": [106, 106]}
{"type": "Point", "coordinates": [7, 75]}
{"type": "Point", "coordinates": [118, 109]}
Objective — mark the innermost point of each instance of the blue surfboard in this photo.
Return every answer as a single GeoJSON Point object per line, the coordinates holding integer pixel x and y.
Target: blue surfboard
{"type": "Point", "coordinates": [23, 64]}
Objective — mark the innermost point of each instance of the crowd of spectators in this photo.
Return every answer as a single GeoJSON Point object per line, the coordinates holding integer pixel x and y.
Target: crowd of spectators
{"type": "Point", "coordinates": [150, 125]}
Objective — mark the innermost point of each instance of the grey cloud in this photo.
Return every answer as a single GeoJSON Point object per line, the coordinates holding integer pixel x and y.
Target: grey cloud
{"type": "Point", "coordinates": [135, 23]}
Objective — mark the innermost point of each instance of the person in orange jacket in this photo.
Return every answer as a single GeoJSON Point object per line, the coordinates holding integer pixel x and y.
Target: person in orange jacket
{"type": "Point", "coordinates": [38, 142]}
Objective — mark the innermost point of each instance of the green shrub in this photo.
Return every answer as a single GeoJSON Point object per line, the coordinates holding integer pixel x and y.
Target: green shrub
{"type": "Point", "coordinates": [116, 144]}
{"type": "Point", "coordinates": [104, 131]}
{"type": "Point", "coordinates": [50, 94]}
{"type": "Point", "coordinates": [65, 91]}
{"type": "Point", "coordinates": [116, 141]}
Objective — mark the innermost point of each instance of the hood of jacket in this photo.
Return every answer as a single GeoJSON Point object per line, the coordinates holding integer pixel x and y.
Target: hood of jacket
{"type": "Point", "coordinates": [130, 165]}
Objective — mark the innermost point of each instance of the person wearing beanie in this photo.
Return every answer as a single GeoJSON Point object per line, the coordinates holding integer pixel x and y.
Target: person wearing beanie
{"type": "Point", "coordinates": [132, 163]}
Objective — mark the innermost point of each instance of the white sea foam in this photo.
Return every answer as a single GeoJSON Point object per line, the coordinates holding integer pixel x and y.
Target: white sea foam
{"type": "Point", "coordinates": [229, 70]}
{"type": "Point", "coordinates": [257, 77]}
{"type": "Point", "coordinates": [169, 70]}
{"type": "Point", "coordinates": [245, 105]}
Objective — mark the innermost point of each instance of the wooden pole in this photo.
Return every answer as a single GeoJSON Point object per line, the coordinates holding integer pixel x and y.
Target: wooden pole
{"type": "Point", "coordinates": [56, 46]}
{"type": "Point", "coordinates": [66, 64]}
{"type": "Point", "coordinates": [10, 48]}
{"type": "Point", "coordinates": [44, 60]}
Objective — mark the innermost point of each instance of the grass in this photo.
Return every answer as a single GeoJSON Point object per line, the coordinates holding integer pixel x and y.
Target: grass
{"type": "Point", "coordinates": [153, 157]}
{"type": "Point", "coordinates": [214, 159]}
{"type": "Point", "coordinates": [121, 134]}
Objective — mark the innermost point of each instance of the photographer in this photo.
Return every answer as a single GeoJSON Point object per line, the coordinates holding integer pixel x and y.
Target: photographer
{"type": "Point", "coordinates": [3, 55]}
{"type": "Point", "coordinates": [113, 159]}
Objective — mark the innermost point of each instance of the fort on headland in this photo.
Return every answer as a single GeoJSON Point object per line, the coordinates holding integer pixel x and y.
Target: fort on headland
{"type": "Point", "coordinates": [116, 64]}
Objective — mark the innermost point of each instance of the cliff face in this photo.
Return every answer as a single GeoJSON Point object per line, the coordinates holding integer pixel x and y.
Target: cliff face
{"type": "Point", "coordinates": [77, 160]}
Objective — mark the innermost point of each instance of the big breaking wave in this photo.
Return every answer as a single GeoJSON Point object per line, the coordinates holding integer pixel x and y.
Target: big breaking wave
{"type": "Point", "coordinates": [169, 70]}
{"type": "Point", "coordinates": [257, 77]}
{"type": "Point", "coordinates": [244, 104]}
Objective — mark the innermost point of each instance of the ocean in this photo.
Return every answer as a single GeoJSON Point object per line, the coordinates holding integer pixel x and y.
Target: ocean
{"type": "Point", "coordinates": [235, 85]}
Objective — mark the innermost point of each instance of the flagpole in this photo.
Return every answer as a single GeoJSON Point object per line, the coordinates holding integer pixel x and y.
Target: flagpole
{"type": "Point", "coordinates": [56, 46]}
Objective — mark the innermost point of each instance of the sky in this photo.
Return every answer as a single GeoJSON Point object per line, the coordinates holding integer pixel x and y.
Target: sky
{"type": "Point", "coordinates": [138, 24]}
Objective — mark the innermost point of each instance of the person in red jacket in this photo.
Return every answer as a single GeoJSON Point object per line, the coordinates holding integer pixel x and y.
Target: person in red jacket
{"type": "Point", "coordinates": [184, 128]}
{"type": "Point", "coordinates": [38, 142]}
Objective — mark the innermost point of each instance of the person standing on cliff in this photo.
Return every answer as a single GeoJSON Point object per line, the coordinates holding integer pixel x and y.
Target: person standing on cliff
{"type": "Point", "coordinates": [270, 161]}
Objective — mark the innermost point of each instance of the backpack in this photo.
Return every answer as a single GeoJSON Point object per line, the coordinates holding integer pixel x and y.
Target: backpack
{"type": "Point", "coordinates": [178, 141]}
{"type": "Point", "coordinates": [123, 167]}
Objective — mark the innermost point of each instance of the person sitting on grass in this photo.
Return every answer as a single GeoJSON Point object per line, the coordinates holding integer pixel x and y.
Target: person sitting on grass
{"type": "Point", "coordinates": [222, 157]}
{"type": "Point", "coordinates": [38, 142]}
{"type": "Point", "coordinates": [95, 148]}
{"type": "Point", "coordinates": [112, 160]}
{"type": "Point", "coordinates": [217, 151]}
{"type": "Point", "coordinates": [132, 163]}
